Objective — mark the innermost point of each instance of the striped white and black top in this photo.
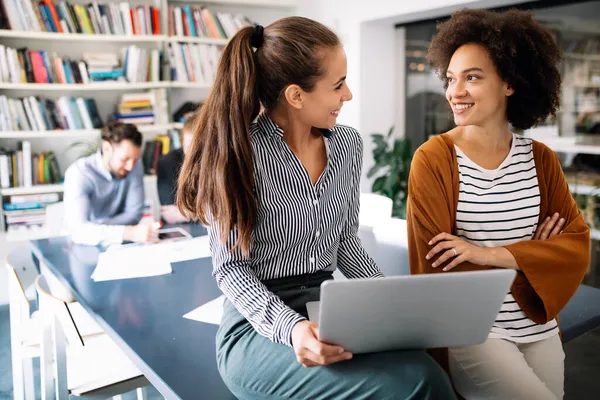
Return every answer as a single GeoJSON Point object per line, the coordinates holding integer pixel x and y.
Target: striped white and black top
{"type": "Point", "coordinates": [497, 208]}
{"type": "Point", "coordinates": [300, 227]}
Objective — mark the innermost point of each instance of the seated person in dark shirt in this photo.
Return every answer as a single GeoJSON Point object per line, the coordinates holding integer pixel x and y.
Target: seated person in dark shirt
{"type": "Point", "coordinates": [167, 173]}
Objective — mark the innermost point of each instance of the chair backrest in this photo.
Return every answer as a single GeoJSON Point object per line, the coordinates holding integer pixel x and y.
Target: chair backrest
{"type": "Point", "coordinates": [387, 244]}
{"type": "Point", "coordinates": [374, 208]}
{"type": "Point", "coordinates": [21, 275]}
{"type": "Point", "coordinates": [151, 196]}
{"type": "Point", "coordinates": [53, 307]}
{"type": "Point", "coordinates": [55, 219]}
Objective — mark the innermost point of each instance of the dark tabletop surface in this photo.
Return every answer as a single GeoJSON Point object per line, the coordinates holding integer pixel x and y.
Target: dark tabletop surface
{"type": "Point", "coordinates": [144, 316]}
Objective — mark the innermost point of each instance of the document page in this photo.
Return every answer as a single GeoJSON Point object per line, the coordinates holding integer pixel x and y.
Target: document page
{"type": "Point", "coordinates": [210, 312]}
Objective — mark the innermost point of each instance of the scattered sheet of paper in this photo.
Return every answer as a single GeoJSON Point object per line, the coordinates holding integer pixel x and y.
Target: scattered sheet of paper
{"type": "Point", "coordinates": [136, 261]}
{"type": "Point", "coordinates": [210, 312]}
{"type": "Point", "coordinates": [191, 249]}
{"type": "Point", "coordinates": [131, 262]}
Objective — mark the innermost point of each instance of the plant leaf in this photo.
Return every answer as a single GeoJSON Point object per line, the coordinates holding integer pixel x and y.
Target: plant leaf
{"type": "Point", "coordinates": [378, 184]}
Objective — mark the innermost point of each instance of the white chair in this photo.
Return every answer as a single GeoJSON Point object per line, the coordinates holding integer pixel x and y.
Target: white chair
{"type": "Point", "coordinates": [24, 329]}
{"type": "Point", "coordinates": [26, 326]}
{"type": "Point", "coordinates": [92, 367]}
{"type": "Point", "coordinates": [55, 219]}
{"type": "Point", "coordinates": [387, 244]}
{"type": "Point", "coordinates": [374, 208]}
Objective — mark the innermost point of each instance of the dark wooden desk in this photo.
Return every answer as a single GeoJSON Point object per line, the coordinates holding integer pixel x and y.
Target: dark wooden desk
{"type": "Point", "coordinates": [144, 316]}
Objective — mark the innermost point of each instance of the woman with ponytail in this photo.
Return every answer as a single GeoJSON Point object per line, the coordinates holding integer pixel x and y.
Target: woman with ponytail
{"type": "Point", "coordinates": [280, 196]}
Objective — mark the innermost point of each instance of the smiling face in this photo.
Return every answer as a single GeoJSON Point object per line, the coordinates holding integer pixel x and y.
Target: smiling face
{"type": "Point", "coordinates": [476, 93]}
{"type": "Point", "coordinates": [321, 106]}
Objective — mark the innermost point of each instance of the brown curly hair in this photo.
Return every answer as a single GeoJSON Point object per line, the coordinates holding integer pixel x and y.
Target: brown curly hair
{"type": "Point", "coordinates": [524, 52]}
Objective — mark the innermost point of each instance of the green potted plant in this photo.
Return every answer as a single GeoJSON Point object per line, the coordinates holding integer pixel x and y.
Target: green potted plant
{"type": "Point", "coordinates": [392, 157]}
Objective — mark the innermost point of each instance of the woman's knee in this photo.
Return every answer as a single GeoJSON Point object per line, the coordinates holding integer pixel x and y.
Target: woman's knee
{"type": "Point", "coordinates": [432, 381]}
{"type": "Point", "coordinates": [411, 375]}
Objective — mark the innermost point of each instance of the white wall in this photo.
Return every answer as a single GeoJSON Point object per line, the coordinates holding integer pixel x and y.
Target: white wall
{"type": "Point", "coordinates": [367, 29]}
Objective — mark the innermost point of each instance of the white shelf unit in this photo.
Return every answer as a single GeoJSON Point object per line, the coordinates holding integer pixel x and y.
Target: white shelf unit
{"type": "Point", "coordinates": [51, 188]}
{"type": "Point", "coordinates": [26, 235]}
{"type": "Point", "coordinates": [68, 87]}
{"type": "Point", "coordinates": [189, 85]}
{"type": "Point", "coordinates": [193, 39]}
{"type": "Point", "coordinates": [571, 145]}
{"type": "Point", "coordinates": [4, 33]}
{"type": "Point", "coordinates": [584, 189]}
{"type": "Point", "coordinates": [36, 189]}
{"type": "Point", "coordinates": [252, 3]}
{"type": "Point", "coordinates": [577, 56]}
{"type": "Point", "coordinates": [259, 11]}
{"type": "Point", "coordinates": [75, 133]}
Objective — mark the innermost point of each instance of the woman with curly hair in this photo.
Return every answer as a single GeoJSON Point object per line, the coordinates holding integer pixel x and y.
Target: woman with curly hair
{"type": "Point", "coordinates": [482, 197]}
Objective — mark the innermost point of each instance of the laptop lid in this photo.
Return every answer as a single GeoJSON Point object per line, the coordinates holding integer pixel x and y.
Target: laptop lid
{"type": "Point", "coordinates": [411, 312]}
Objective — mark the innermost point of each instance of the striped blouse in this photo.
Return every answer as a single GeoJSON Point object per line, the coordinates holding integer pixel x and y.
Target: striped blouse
{"type": "Point", "coordinates": [301, 228]}
{"type": "Point", "coordinates": [497, 208]}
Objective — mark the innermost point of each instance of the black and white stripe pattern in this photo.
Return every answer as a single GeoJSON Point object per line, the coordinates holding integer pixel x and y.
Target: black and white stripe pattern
{"type": "Point", "coordinates": [301, 228]}
{"type": "Point", "coordinates": [497, 208]}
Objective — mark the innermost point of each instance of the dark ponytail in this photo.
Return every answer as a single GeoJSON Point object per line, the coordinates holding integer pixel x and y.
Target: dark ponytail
{"type": "Point", "coordinates": [217, 176]}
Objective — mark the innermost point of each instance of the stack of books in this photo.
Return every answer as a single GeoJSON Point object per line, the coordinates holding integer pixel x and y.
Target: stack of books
{"type": "Point", "coordinates": [102, 67]}
{"type": "Point", "coordinates": [27, 212]}
{"type": "Point", "coordinates": [39, 114]}
{"type": "Point", "coordinates": [142, 108]}
{"type": "Point", "coordinates": [93, 18]}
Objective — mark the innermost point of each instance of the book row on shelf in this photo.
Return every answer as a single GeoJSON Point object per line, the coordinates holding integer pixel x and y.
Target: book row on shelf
{"type": "Point", "coordinates": [202, 22]}
{"type": "Point", "coordinates": [117, 19]}
{"type": "Point", "coordinates": [65, 17]}
{"type": "Point", "coordinates": [131, 64]}
{"type": "Point", "coordinates": [70, 113]}
{"type": "Point", "coordinates": [194, 62]}
{"type": "Point", "coordinates": [23, 168]}
{"type": "Point", "coordinates": [156, 148]}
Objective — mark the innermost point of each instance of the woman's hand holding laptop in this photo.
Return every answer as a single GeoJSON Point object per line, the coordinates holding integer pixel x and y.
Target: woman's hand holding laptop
{"type": "Point", "coordinates": [451, 246]}
{"type": "Point", "coordinates": [310, 352]}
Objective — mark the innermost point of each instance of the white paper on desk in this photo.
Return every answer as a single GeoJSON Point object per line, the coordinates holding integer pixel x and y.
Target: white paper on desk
{"type": "Point", "coordinates": [189, 249]}
{"type": "Point", "coordinates": [210, 312]}
{"type": "Point", "coordinates": [131, 262]}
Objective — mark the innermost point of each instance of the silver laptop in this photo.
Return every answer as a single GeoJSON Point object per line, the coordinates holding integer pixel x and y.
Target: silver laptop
{"type": "Point", "coordinates": [410, 312]}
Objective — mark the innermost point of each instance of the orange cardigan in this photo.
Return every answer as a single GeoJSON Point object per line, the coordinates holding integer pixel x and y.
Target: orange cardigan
{"type": "Point", "coordinates": [551, 269]}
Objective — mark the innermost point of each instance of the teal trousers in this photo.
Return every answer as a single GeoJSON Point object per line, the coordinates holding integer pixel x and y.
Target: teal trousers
{"type": "Point", "coordinates": [253, 367]}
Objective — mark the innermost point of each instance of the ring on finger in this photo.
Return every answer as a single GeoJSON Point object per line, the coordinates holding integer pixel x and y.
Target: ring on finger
{"type": "Point", "coordinates": [455, 253]}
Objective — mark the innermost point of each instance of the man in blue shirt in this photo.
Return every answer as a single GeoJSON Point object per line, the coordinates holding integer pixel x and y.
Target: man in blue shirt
{"type": "Point", "coordinates": [104, 192]}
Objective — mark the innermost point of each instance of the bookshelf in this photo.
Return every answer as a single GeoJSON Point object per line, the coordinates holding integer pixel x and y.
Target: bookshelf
{"type": "Point", "coordinates": [252, 3]}
{"type": "Point", "coordinates": [72, 87]}
{"type": "Point", "coordinates": [106, 94]}
{"type": "Point", "coordinates": [192, 39]}
{"type": "Point", "coordinates": [37, 189]}
{"type": "Point", "coordinates": [85, 133]}
{"type": "Point", "coordinates": [83, 37]}
{"type": "Point", "coordinates": [51, 188]}
{"type": "Point", "coordinates": [584, 189]}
